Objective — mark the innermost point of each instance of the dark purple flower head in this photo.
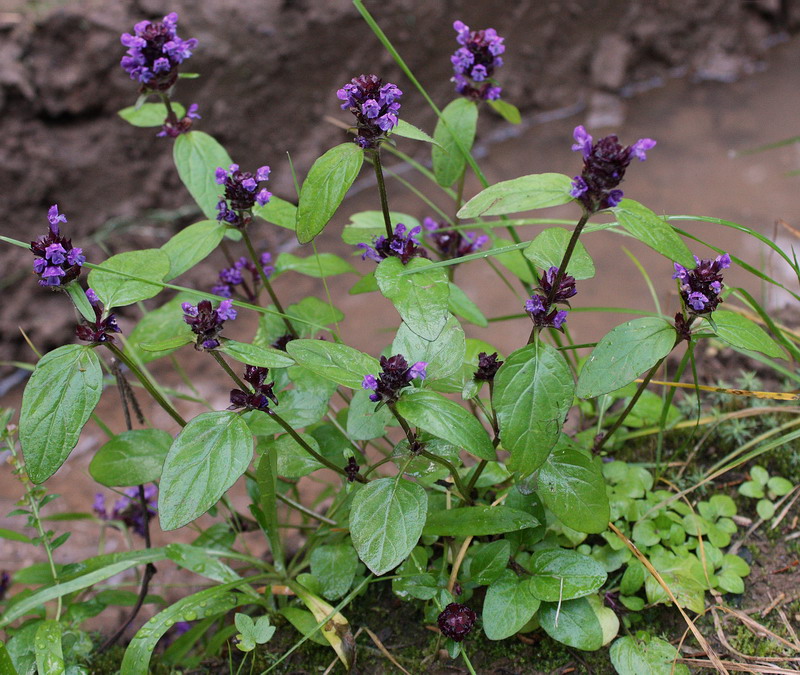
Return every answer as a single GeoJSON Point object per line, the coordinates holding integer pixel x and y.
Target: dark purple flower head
{"type": "Point", "coordinates": [206, 322]}
{"type": "Point", "coordinates": [604, 165]}
{"type": "Point", "coordinates": [456, 621]}
{"type": "Point", "coordinates": [475, 61]}
{"type": "Point", "coordinates": [351, 469]}
{"type": "Point", "coordinates": [701, 287]}
{"type": "Point", "coordinates": [242, 192]}
{"type": "Point", "coordinates": [540, 306]}
{"type": "Point", "coordinates": [174, 127]}
{"type": "Point", "coordinates": [375, 106]}
{"type": "Point", "coordinates": [57, 261]}
{"type": "Point", "coordinates": [231, 277]}
{"type": "Point", "coordinates": [488, 365]}
{"type": "Point", "coordinates": [453, 243]}
{"type": "Point", "coordinates": [396, 375]}
{"type": "Point", "coordinates": [5, 582]}
{"type": "Point", "coordinates": [259, 397]}
{"type": "Point", "coordinates": [128, 509]}
{"type": "Point", "coordinates": [282, 341]}
{"type": "Point", "coordinates": [155, 52]}
{"type": "Point", "coordinates": [100, 330]}
{"type": "Point", "coordinates": [404, 245]}
{"type": "Point", "coordinates": [566, 287]}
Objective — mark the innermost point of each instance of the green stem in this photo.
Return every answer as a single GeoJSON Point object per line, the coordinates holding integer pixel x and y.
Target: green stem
{"type": "Point", "coordinates": [146, 383]}
{"type": "Point", "coordinates": [467, 662]}
{"type": "Point", "coordinates": [218, 358]}
{"type": "Point", "coordinates": [265, 280]}
{"type": "Point", "coordinates": [304, 509]}
{"type": "Point", "coordinates": [562, 268]}
{"type": "Point", "coordinates": [387, 219]}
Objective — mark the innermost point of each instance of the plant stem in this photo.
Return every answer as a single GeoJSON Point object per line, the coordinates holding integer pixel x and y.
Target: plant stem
{"type": "Point", "coordinates": [265, 281]}
{"type": "Point", "coordinates": [146, 383]}
{"type": "Point", "coordinates": [299, 440]}
{"type": "Point", "coordinates": [387, 219]}
{"type": "Point", "coordinates": [221, 361]}
{"type": "Point", "coordinates": [562, 268]}
{"type": "Point", "coordinates": [304, 509]}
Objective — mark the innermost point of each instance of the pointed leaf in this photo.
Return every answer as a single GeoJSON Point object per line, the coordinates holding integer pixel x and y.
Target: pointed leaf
{"type": "Point", "coordinates": [150, 114]}
{"type": "Point", "coordinates": [131, 458]}
{"type": "Point", "coordinates": [149, 267]}
{"type": "Point", "coordinates": [364, 422]}
{"type": "Point", "coordinates": [157, 326]}
{"type": "Point", "coordinates": [572, 623]}
{"type": "Point", "coordinates": [278, 212]}
{"type": "Point", "coordinates": [264, 357]}
{"type": "Point", "coordinates": [318, 266]}
{"type": "Point", "coordinates": [333, 361]}
{"type": "Point", "coordinates": [191, 245]}
{"type": "Point", "coordinates": [334, 566]}
{"type": "Point", "coordinates": [196, 156]}
{"type": "Point", "coordinates": [406, 130]}
{"type": "Point", "coordinates": [364, 226]}
{"type": "Point", "coordinates": [526, 193]}
{"type": "Point", "coordinates": [49, 655]}
{"type": "Point", "coordinates": [444, 355]}
{"type": "Point", "coordinates": [461, 116]}
{"type": "Point", "coordinates": [508, 606]}
{"type": "Point", "coordinates": [509, 112]}
{"type": "Point", "coordinates": [547, 250]}
{"type": "Point", "coordinates": [561, 574]}
{"type": "Point", "coordinates": [460, 305]}
{"type": "Point", "coordinates": [477, 521]}
{"type": "Point", "coordinates": [653, 231]}
{"type": "Point", "coordinates": [741, 332]}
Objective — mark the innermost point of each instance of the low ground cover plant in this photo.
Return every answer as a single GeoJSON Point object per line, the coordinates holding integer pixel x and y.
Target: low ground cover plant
{"type": "Point", "coordinates": [483, 487]}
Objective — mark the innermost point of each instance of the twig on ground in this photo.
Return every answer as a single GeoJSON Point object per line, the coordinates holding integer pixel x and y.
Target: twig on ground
{"type": "Point", "coordinates": [383, 649]}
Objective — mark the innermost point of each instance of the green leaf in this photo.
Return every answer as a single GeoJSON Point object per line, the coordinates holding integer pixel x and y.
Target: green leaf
{"type": "Point", "coordinates": [333, 361]}
{"type": "Point", "coordinates": [765, 509]}
{"type": "Point", "coordinates": [197, 155]}
{"type": "Point", "coordinates": [509, 112]}
{"type": "Point", "coordinates": [683, 574]}
{"type": "Point", "coordinates": [560, 574]}
{"type": "Point", "coordinates": [149, 266]}
{"type": "Point", "coordinates": [526, 193]}
{"type": "Point", "coordinates": [421, 299]}
{"type": "Point", "coordinates": [263, 357]}
{"type": "Point", "coordinates": [444, 355]}
{"type": "Point", "coordinates": [49, 656]}
{"type": "Point", "coordinates": [633, 578]}
{"type": "Point", "coordinates": [491, 559]}
{"type": "Point", "coordinates": [477, 521]}
{"type": "Point", "coordinates": [460, 305]}
{"type": "Point", "coordinates": [386, 521]}
{"type": "Point", "coordinates": [6, 664]}
{"type": "Point", "coordinates": [363, 422]}
{"type": "Point", "coordinates": [624, 354]}
{"type": "Point", "coordinates": [58, 400]}
{"type": "Point", "coordinates": [267, 476]}
{"type": "Point", "coordinates": [81, 302]}
{"type": "Point", "coordinates": [461, 116]}
{"type": "Point", "coordinates": [508, 606]}
{"type": "Point", "coordinates": [166, 346]}
{"type": "Point", "coordinates": [446, 419]}
{"type": "Point", "coordinates": [158, 326]}
{"type": "Point", "coordinates": [572, 486]}
{"type": "Point", "coordinates": [314, 310]}
{"type": "Point", "coordinates": [653, 231]}
{"type": "Point", "coordinates": [548, 248]}
{"type": "Point", "coordinates": [293, 460]}
{"type": "Point", "coordinates": [317, 266]}
{"type": "Point", "coordinates": [150, 114]}
{"type": "Point", "coordinates": [573, 623]}
{"type": "Point", "coordinates": [533, 392]}
{"type": "Point", "coordinates": [191, 245]}
{"type": "Point", "coordinates": [206, 458]}
{"type": "Point", "coordinates": [131, 458]}
{"type": "Point", "coordinates": [365, 284]}
{"type": "Point", "coordinates": [215, 601]}
{"type": "Point", "coordinates": [305, 623]}
{"type": "Point", "coordinates": [11, 535]}
{"type": "Point", "coordinates": [650, 655]}
{"type": "Point", "coordinates": [364, 226]}
{"type": "Point", "coordinates": [406, 130]}
{"type": "Point", "coordinates": [752, 489]}
{"type": "Point", "coordinates": [278, 212]}
{"type": "Point", "coordinates": [759, 474]}
{"type": "Point", "coordinates": [744, 333]}
{"type": "Point", "coordinates": [778, 486]}
{"type": "Point", "coordinates": [198, 561]}
{"type": "Point", "coordinates": [328, 180]}
{"type": "Point", "coordinates": [334, 567]}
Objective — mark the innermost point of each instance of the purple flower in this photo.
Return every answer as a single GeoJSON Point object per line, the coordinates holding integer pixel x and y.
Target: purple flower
{"type": "Point", "coordinates": [540, 306]}
{"type": "Point", "coordinates": [604, 166]}
{"type": "Point", "coordinates": [700, 288]}
{"type": "Point", "coordinates": [128, 509]}
{"type": "Point", "coordinates": [154, 53]}
{"type": "Point", "coordinates": [174, 127]}
{"type": "Point", "coordinates": [231, 277]}
{"type": "Point", "coordinates": [488, 365]}
{"type": "Point", "coordinates": [206, 322]}
{"type": "Point", "coordinates": [241, 194]}
{"type": "Point", "coordinates": [475, 61]}
{"type": "Point", "coordinates": [99, 331]}
{"type": "Point", "coordinates": [351, 469]}
{"type": "Point", "coordinates": [57, 261]}
{"type": "Point", "coordinates": [453, 243]}
{"type": "Point", "coordinates": [396, 374]}
{"type": "Point", "coordinates": [404, 244]}
{"type": "Point", "coordinates": [456, 621]}
{"type": "Point", "coordinates": [261, 395]}
{"type": "Point", "coordinates": [375, 106]}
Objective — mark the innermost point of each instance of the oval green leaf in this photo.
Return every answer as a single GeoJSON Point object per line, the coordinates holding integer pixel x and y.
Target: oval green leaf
{"type": "Point", "coordinates": [191, 245]}
{"type": "Point", "coordinates": [444, 355]}
{"type": "Point", "coordinates": [364, 226]}
{"type": "Point", "coordinates": [263, 357]}
{"type": "Point", "coordinates": [560, 574]}
{"type": "Point", "coordinates": [526, 193]}
{"type": "Point", "coordinates": [477, 521]}
{"type": "Point", "coordinates": [651, 655]}
{"type": "Point", "coordinates": [318, 266]}
{"type": "Point", "coordinates": [49, 655]}
{"type": "Point", "coordinates": [58, 400]}
{"type": "Point", "coordinates": [131, 458]}
{"type": "Point", "coordinates": [653, 231]}
{"type": "Point", "coordinates": [572, 623]}
{"type": "Point", "coordinates": [508, 606]}
{"type": "Point", "coordinates": [150, 114]}
{"type": "Point", "coordinates": [196, 156]}
{"type": "Point", "coordinates": [206, 458]}
{"type": "Point", "coordinates": [509, 112]}
{"type": "Point", "coordinates": [278, 212]}
{"type": "Point", "coordinates": [533, 392]}
{"type": "Point", "coordinates": [162, 324]}
{"type": "Point", "coordinates": [547, 250]}
{"type": "Point", "coordinates": [624, 354]}
{"type": "Point", "coordinates": [334, 567]}
{"type": "Point", "coordinates": [407, 130]}
{"type": "Point", "coordinates": [744, 333]}
{"type": "Point", "coordinates": [386, 521]}
{"type": "Point", "coordinates": [140, 276]}
{"type": "Point", "coordinates": [333, 361]}
{"type": "Point", "coordinates": [328, 181]}
{"type": "Point", "coordinates": [461, 117]}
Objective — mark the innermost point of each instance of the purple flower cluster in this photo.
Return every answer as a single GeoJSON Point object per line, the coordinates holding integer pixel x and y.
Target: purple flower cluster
{"type": "Point", "coordinates": [452, 243]}
{"type": "Point", "coordinates": [230, 277]}
{"type": "Point", "coordinates": [241, 194]}
{"type": "Point", "coordinates": [604, 165]}
{"type": "Point", "coordinates": [262, 392]}
{"type": "Point", "coordinates": [456, 621]}
{"type": "Point", "coordinates": [404, 244]}
{"type": "Point", "coordinates": [57, 261]}
{"type": "Point", "coordinates": [488, 365]}
{"type": "Point", "coordinates": [206, 322]}
{"type": "Point", "coordinates": [540, 306]}
{"type": "Point", "coordinates": [5, 582]}
{"type": "Point", "coordinates": [701, 287]}
{"type": "Point", "coordinates": [154, 53]}
{"type": "Point", "coordinates": [174, 127]}
{"type": "Point", "coordinates": [100, 330]}
{"type": "Point", "coordinates": [396, 374]}
{"type": "Point", "coordinates": [475, 61]}
{"type": "Point", "coordinates": [375, 106]}
{"type": "Point", "coordinates": [351, 469]}
{"type": "Point", "coordinates": [128, 509]}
